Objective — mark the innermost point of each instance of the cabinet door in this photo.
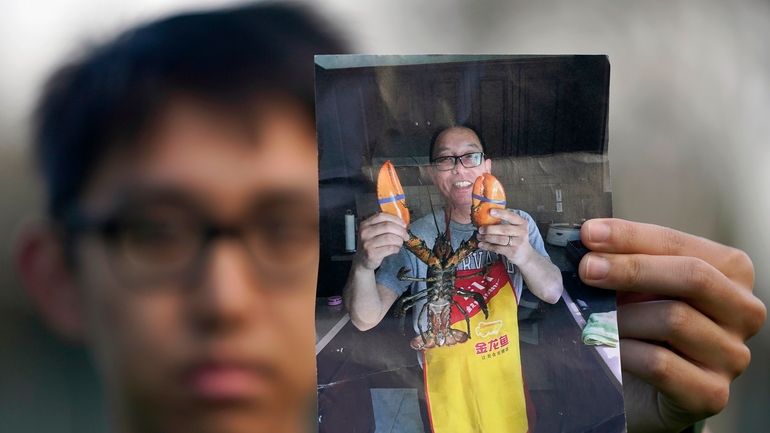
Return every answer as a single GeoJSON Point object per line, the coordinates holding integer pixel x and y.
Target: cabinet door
{"type": "Point", "coordinates": [563, 105]}
{"type": "Point", "coordinates": [445, 99]}
{"type": "Point", "coordinates": [491, 96]}
{"type": "Point", "coordinates": [343, 112]}
{"type": "Point", "coordinates": [413, 104]}
{"type": "Point", "coordinates": [582, 105]}
{"type": "Point", "coordinates": [537, 109]}
{"type": "Point", "coordinates": [398, 121]}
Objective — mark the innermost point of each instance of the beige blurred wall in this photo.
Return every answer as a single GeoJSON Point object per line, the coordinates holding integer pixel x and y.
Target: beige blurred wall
{"type": "Point", "coordinates": [689, 113]}
{"type": "Point", "coordinates": [689, 107]}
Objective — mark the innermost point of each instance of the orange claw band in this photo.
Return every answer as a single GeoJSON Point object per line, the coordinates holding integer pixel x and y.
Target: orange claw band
{"type": "Point", "coordinates": [488, 194]}
{"type": "Point", "coordinates": [390, 194]}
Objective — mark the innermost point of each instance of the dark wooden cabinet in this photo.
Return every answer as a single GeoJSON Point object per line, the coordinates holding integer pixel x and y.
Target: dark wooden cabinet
{"type": "Point", "coordinates": [527, 106]}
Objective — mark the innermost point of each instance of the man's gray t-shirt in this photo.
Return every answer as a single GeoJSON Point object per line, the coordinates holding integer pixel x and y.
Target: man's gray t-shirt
{"type": "Point", "coordinates": [425, 229]}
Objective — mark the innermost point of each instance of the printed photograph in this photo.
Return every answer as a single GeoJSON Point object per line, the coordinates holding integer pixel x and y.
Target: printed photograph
{"type": "Point", "coordinates": [452, 191]}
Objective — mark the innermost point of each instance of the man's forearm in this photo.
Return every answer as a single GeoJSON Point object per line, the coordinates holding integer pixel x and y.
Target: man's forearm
{"type": "Point", "coordinates": [542, 277]}
{"type": "Point", "coordinates": [362, 298]}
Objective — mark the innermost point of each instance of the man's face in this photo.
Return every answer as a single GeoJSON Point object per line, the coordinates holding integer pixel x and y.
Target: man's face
{"type": "Point", "coordinates": [456, 185]}
{"type": "Point", "coordinates": [225, 344]}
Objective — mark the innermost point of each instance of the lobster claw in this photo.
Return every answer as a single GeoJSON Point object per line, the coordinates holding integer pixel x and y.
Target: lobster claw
{"type": "Point", "coordinates": [390, 194]}
{"type": "Point", "coordinates": [488, 194]}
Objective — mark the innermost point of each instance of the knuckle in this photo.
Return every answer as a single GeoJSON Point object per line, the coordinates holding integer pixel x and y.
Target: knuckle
{"type": "Point", "coordinates": [678, 318]}
{"type": "Point", "coordinates": [699, 274]}
{"type": "Point", "coordinates": [741, 359]}
{"type": "Point", "coordinates": [370, 252]}
{"type": "Point", "coordinates": [754, 317]}
{"type": "Point", "coordinates": [737, 258]}
{"type": "Point", "coordinates": [660, 365]}
{"type": "Point", "coordinates": [367, 232]}
{"type": "Point", "coordinates": [740, 266]}
{"type": "Point", "coordinates": [673, 241]}
{"type": "Point", "coordinates": [634, 271]}
{"type": "Point", "coordinates": [717, 397]}
{"type": "Point", "coordinates": [374, 219]}
{"type": "Point", "coordinates": [759, 316]}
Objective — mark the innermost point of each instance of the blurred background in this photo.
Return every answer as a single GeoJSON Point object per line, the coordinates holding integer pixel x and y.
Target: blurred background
{"type": "Point", "coordinates": [689, 129]}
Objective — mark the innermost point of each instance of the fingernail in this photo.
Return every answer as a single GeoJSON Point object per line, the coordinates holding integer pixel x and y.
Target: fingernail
{"type": "Point", "coordinates": [598, 232]}
{"type": "Point", "coordinates": [597, 268]}
{"type": "Point", "coordinates": [494, 212]}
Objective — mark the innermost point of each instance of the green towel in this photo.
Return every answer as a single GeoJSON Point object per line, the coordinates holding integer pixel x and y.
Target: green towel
{"type": "Point", "coordinates": [601, 329]}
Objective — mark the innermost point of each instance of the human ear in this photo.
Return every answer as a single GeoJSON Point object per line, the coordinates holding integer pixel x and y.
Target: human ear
{"type": "Point", "coordinates": [48, 278]}
{"type": "Point", "coordinates": [488, 165]}
{"type": "Point", "coordinates": [432, 173]}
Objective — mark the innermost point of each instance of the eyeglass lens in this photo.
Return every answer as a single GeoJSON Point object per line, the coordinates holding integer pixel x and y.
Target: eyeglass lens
{"type": "Point", "coordinates": [468, 160]}
{"type": "Point", "coordinates": [165, 242]}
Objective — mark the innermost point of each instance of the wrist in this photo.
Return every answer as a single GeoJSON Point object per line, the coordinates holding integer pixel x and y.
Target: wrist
{"type": "Point", "coordinates": [527, 256]}
{"type": "Point", "coordinates": [360, 263]}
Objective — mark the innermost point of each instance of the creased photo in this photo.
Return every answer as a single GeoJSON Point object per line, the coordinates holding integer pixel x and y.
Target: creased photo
{"type": "Point", "coordinates": [452, 189]}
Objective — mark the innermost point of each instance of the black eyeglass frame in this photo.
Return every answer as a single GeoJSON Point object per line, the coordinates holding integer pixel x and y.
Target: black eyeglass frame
{"type": "Point", "coordinates": [436, 161]}
{"type": "Point", "coordinates": [108, 227]}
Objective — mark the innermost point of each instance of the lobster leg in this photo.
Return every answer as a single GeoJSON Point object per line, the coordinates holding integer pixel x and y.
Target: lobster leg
{"type": "Point", "coordinates": [420, 250]}
{"type": "Point", "coordinates": [419, 322]}
{"type": "Point", "coordinates": [404, 304]}
{"type": "Point", "coordinates": [477, 297]}
{"type": "Point", "coordinates": [483, 271]}
{"type": "Point", "coordinates": [465, 249]}
{"type": "Point", "coordinates": [402, 275]}
{"type": "Point", "coordinates": [420, 342]}
{"type": "Point", "coordinates": [416, 296]}
{"type": "Point", "coordinates": [465, 315]}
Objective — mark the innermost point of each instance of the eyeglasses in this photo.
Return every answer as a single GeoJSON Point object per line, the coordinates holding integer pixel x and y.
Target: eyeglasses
{"type": "Point", "coordinates": [469, 160]}
{"type": "Point", "coordinates": [161, 243]}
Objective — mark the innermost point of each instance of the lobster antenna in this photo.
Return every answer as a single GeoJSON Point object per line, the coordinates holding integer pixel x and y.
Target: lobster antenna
{"type": "Point", "coordinates": [430, 200]}
{"type": "Point", "coordinates": [447, 221]}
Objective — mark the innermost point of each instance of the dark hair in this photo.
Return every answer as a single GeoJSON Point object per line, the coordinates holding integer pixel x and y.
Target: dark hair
{"type": "Point", "coordinates": [440, 131]}
{"type": "Point", "coordinates": [111, 95]}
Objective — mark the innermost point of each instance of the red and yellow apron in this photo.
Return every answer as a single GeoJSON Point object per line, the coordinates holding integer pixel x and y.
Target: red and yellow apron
{"type": "Point", "coordinates": [477, 386]}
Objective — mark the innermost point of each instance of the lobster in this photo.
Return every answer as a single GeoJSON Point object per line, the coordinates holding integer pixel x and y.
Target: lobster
{"type": "Point", "coordinates": [441, 261]}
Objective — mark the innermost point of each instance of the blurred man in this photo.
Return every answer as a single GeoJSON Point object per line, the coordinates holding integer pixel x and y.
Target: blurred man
{"type": "Point", "coordinates": [180, 161]}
